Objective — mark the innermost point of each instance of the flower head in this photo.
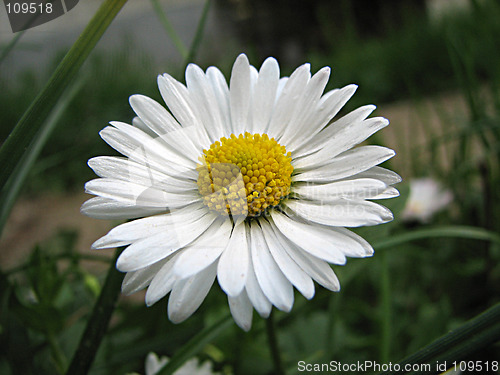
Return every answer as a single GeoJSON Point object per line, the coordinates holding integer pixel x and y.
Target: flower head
{"type": "Point", "coordinates": [426, 198]}
{"type": "Point", "coordinates": [251, 184]}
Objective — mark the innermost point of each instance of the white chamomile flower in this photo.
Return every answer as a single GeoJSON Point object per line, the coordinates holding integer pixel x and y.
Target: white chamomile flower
{"type": "Point", "coordinates": [191, 367]}
{"type": "Point", "coordinates": [251, 184]}
{"type": "Point", "coordinates": [427, 197]}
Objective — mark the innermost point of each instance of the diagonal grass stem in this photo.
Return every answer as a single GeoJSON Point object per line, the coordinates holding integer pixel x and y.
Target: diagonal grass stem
{"type": "Point", "coordinates": [26, 129]}
{"type": "Point", "coordinates": [98, 322]}
{"type": "Point", "coordinates": [471, 337]}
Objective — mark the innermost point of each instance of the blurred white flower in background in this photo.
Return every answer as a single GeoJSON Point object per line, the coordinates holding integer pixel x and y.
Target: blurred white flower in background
{"type": "Point", "coordinates": [427, 196]}
{"type": "Point", "coordinates": [191, 367]}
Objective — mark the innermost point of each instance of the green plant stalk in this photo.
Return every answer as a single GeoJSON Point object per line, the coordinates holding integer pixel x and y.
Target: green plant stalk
{"type": "Point", "coordinates": [9, 47]}
{"type": "Point", "coordinates": [195, 345]}
{"type": "Point", "coordinates": [273, 345]}
{"type": "Point", "coordinates": [18, 176]}
{"type": "Point", "coordinates": [457, 231]}
{"type": "Point", "coordinates": [57, 353]}
{"type": "Point", "coordinates": [332, 315]}
{"type": "Point", "coordinates": [181, 48]}
{"type": "Point", "coordinates": [98, 321]}
{"type": "Point", "coordinates": [386, 310]}
{"type": "Point", "coordinates": [198, 36]}
{"type": "Point", "coordinates": [18, 140]}
{"type": "Point", "coordinates": [471, 337]}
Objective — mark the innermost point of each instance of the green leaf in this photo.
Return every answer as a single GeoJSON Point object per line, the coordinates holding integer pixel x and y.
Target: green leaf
{"type": "Point", "coordinates": [26, 129]}
{"type": "Point", "coordinates": [195, 345]}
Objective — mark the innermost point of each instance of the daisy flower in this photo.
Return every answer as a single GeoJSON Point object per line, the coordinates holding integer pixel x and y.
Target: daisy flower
{"type": "Point", "coordinates": [251, 183]}
{"type": "Point", "coordinates": [427, 197]}
{"type": "Point", "coordinates": [191, 367]}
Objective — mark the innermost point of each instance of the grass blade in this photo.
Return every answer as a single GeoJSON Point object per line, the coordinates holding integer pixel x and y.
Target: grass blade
{"type": "Point", "coordinates": [457, 231]}
{"type": "Point", "coordinates": [9, 47]}
{"type": "Point", "coordinates": [98, 322]}
{"type": "Point", "coordinates": [469, 338]}
{"type": "Point", "coordinates": [18, 176]}
{"type": "Point", "coordinates": [174, 37]}
{"type": "Point", "coordinates": [15, 145]}
{"type": "Point", "coordinates": [198, 36]}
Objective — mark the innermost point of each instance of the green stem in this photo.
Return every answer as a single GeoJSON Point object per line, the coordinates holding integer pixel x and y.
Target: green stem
{"type": "Point", "coordinates": [273, 345]}
{"type": "Point", "coordinates": [13, 187]}
{"type": "Point", "coordinates": [386, 311]}
{"type": "Point", "coordinates": [471, 337]}
{"type": "Point", "coordinates": [457, 231]}
{"type": "Point", "coordinates": [169, 29]}
{"type": "Point", "coordinates": [9, 47]}
{"type": "Point", "coordinates": [198, 36]}
{"type": "Point", "coordinates": [29, 124]}
{"type": "Point", "coordinates": [57, 353]}
{"type": "Point", "coordinates": [330, 326]}
{"type": "Point", "coordinates": [98, 322]}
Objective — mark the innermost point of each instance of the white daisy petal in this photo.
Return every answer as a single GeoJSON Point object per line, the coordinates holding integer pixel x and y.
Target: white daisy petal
{"type": "Point", "coordinates": [281, 84]}
{"type": "Point", "coordinates": [153, 114]}
{"type": "Point", "coordinates": [127, 233]}
{"type": "Point", "coordinates": [138, 280]}
{"type": "Point", "coordinates": [255, 294]}
{"type": "Point", "coordinates": [221, 92]}
{"type": "Point", "coordinates": [143, 149]}
{"type": "Point", "coordinates": [360, 188]}
{"type": "Point", "coordinates": [239, 94]}
{"type": "Point", "coordinates": [139, 124]}
{"type": "Point", "coordinates": [232, 269]}
{"type": "Point", "coordinates": [319, 142]}
{"type": "Point", "coordinates": [300, 279]}
{"type": "Point", "coordinates": [109, 209]}
{"type": "Point", "coordinates": [264, 95]}
{"type": "Point", "coordinates": [317, 241]}
{"type": "Point", "coordinates": [285, 105]}
{"type": "Point", "coordinates": [205, 101]}
{"type": "Point", "coordinates": [273, 283]}
{"type": "Point", "coordinates": [241, 310]}
{"type": "Point", "coordinates": [126, 170]}
{"type": "Point", "coordinates": [326, 108]}
{"type": "Point", "coordinates": [388, 193]}
{"type": "Point", "coordinates": [318, 269]}
{"type": "Point", "coordinates": [342, 212]}
{"type": "Point", "coordinates": [162, 282]}
{"type": "Point", "coordinates": [140, 195]}
{"type": "Point", "coordinates": [188, 294]}
{"type": "Point", "coordinates": [204, 251]}
{"type": "Point", "coordinates": [365, 250]}
{"type": "Point", "coordinates": [343, 140]}
{"type": "Point", "coordinates": [382, 174]}
{"type": "Point", "coordinates": [346, 164]}
{"type": "Point", "coordinates": [149, 250]}
{"type": "Point", "coordinates": [304, 107]}
{"type": "Point", "coordinates": [177, 98]}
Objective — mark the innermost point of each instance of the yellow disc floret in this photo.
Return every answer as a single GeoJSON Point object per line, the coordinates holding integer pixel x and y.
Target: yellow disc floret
{"type": "Point", "coordinates": [244, 175]}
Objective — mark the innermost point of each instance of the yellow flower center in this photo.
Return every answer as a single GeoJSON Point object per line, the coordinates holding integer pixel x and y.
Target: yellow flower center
{"type": "Point", "coordinates": [244, 175]}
